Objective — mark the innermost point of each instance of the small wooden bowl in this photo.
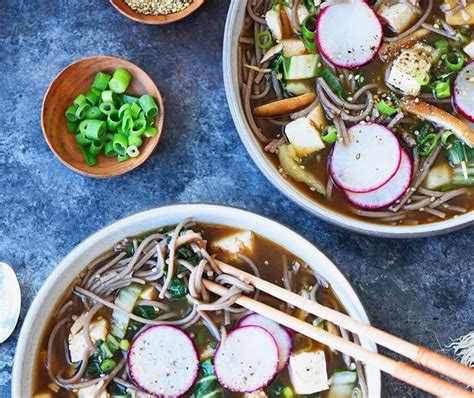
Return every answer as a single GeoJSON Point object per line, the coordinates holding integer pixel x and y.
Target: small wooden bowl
{"type": "Point", "coordinates": [123, 8]}
{"type": "Point", "coordinates": [76, 79]}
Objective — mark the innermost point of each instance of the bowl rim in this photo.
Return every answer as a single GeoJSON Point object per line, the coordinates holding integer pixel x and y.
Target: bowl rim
{"type": "Point", "coordinates": [76, 260]}
{"type": "Point", "coordinates": [253, 147]}
{"type": "Point", "coordinates": [159, 123]}
{"type": "Point", "coordinates": [157, 19]}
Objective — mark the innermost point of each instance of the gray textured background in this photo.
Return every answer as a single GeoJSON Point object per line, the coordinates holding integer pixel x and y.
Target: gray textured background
{"type": "Point", "coordinates": [421, 290]}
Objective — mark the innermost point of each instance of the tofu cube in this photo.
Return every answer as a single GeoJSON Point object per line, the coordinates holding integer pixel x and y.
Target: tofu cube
{"type": "Point", "coordinates": [398, 16]}
{"type": "Point", "coordinates": [240, 242]}
{"type": "Point", "coordinates": [304, 136]}
{"type": "Point", "coordinates": [409, 67]}
{"type": "Point", "coordinates": [90, 392]}
{"type": "Point", "coordinates": [308, 372]}
{"type": "Point", "coordinates": [469, 49]}
{"type": "Point", "coordinates": [293, 47]}
{"type": "Point", "coordinates": [318, 117]}
{"type": "Point", "coordinates": [77, 341]}
{"type": "Point", "coordinates": [462, 17]}
{"type": "Point", "coordinates": [274, 23]}
{"type": "Point", "coordinates": [302, 13]}
{"type": "Point", "coordinates": [300, 87]}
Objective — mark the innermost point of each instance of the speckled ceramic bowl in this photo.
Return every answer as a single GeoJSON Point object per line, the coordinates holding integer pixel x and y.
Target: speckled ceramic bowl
{"type": "Point", "coordinates": [233, 28]}
{"type": "Point", "coordinates": [99, 242]}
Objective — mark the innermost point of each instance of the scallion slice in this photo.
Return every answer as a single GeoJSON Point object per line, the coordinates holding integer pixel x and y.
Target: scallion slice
{"type": "Point", "coordinates": [264, 39]}
{"type": "Point", "coordinates": [148, 104]}
{"type": "Point", "coordinates": [120, 80]}
{"type": "Point", "coordinates": [101, 81]}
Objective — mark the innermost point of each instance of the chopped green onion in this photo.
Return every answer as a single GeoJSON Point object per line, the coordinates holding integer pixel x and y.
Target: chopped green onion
{"type": "Point", "coordinates": [129, 99]}
{"type": "Point", "coordinates": [442, 90]}
{"type": "Point", "coordinates": [123, 109]}
{"type": "Point", "coordinates": [441, 44]}
{"type": "Point", "coordinates": [107, 107]}
{"type": "Point", "coordinates": [138, 127]}
{"type": "Point", "coordinates": [92, 96]}
{"type": "Point", "coordinates": [107, 365]}
{"type": "Point", "coordinates": [330, 135]}
{"type": "Point", "coordinates": [95, 129]}
{"type": "Point", "coordinates": [150, 131]}
{"type": "Point", "coordinates": [80, 100]}
{"type": "Point", "coordinates": [101, 81]}
{"type": "Point", "coordinates": [310, 44]}
{"type": "Point", "coordinates": [288, 392]}
{"type": "Point", "coordinates": [82, 110]}
{"type": "Point", "coordinates": [135, 141]}
{"type": "Point", "coordinates": [108, 96]}
{"type": "Point", "coordinates": [308, 27]}
{"type": "Point", "coordinates": [113, 120]}
{"type": "Point", "coordinates": [120, 80]}
{"type": "Point", "coordinates": [445, 136]}
{"type": "Point", "coordinates": [81, 139]}
{"type": "Point", "coordinates": [88, 157]}
{"type": "Point", "coordinates": [96, 147]}
{"type": "Point", "coordinates": [148, 104]}
{"type": "Point", "coordinates": [71, 113]}
{"type": "Point", "coordinates": [122, 158]}
{"type": "Point", "coordinates": [124, 345]}
{"type": "Point", "coordinates": [135, 110]}
{"type": "Point", "coordinates": [310, 6]}
{"type": "Point", "coordinates": [83, 126]}
{"type": "Point", "coordinates": [386, 109]}
{"type": "Point", "coordinates": [72, 126]}
{"type": "Point", "coordinates": [94, 113]}
{"type": "Point", "coordinates": [264, 39]}
{"type": "Point", "coordinates": [120, 144]}
{"type": "Point", "coordinates": [108, 137]}
{"type": "Point", "coordinates": [109, 149]}
{"type": "Point", "coordinates": [127, 122]}
{"type": "Point", "coordinates": [463, 35]}
{"type": "Point", "coordinates": [454, 61]}
{"type": "Point", "coordinates": [427, 144]}
{"type": "Point", "coordinates": [133, 151]}
{"type": "Point", "coordinates": [423, 79]}
{"type": "Point", "coordinates": [333, 82]}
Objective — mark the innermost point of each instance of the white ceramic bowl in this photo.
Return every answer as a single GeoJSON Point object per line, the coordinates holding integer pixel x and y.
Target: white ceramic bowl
{"type": "Point", "coordinates": [140, 223]}
{"type": "Point", "coordinates": [232, 31]}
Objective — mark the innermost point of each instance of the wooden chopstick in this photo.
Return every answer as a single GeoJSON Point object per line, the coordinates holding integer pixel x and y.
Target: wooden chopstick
{"type": "Point", "coordinates": [397, 369]}
{"type": "Point", "coordinates": [418, 354]}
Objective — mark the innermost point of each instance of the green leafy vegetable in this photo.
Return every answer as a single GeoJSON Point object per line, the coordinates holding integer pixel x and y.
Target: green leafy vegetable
{"type": "Point", "coordinates": [177, 289]}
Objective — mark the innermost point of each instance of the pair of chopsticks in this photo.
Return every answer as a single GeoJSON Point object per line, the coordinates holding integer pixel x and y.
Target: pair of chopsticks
{"type": "Point", "coordinates": [400, 370]}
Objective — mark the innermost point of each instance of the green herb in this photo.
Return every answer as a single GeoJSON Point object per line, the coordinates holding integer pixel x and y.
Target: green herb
{"type": "Point", "coordinates": [308, 27]}
{"type": "Point", "coordinates": [207, 385]}
{"type": "Point", "coordinates": [330, 135]}
{"type": "Point", "coordinates": [145, 311]}
{"type": "Point", "coordinates": [333, 82]}
{"type": "Point", "coordinates": [264, 39]}
{"type": "Point", "coordinates": [177, 289]}
{"type": "Point", "coordinates": [386, 109]}
{"type": "Point", "coordinates": [108, 365]}
{"type": "Point", "coordinates": [454, 61]}
{"type": "Point", "coordinates": [427, 144]}
{"type": "Point", "coordinates": [309, 4]}
{"type": "Point", "coordinates": [442, 90]}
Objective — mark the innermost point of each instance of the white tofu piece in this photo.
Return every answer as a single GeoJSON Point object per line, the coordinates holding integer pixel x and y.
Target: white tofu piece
{"type": "Point", "coordinates": [300, 87]}
{"type": "Point", "coordinates": [304, 136]}
{"type": "Point", "coordinates": [274, 24]}
{"type": "Point", "coordinates": [89, 392]}
{"type": "Point", "coordinates": [302, 13]}
{"type": "Point", "coordinates": [411, 65]}
{"type": "Point", "coordinates": [256, 394]}
{"type": "Point", "coordinates": [318, 117]}
{"type": "Point", "coordinates": [308, 372]}
{"type": "Point", "coordinates": [293, 47]}
{"type": "Point", "coordinates": [399, 16]}
{"type": "Point", "coordinates": [240, 242]}
{"type": "Point", "coordinates": [77, 341]}
{"type": "Point", "coordinates": [469, 49]}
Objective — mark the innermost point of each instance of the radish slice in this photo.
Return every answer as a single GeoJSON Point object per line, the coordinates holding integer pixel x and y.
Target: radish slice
{"type": "Point", "coordinates": [369, 161]}
{"type": "Point", "coordinates": [163, 360]}
{"type": "Point", "coordinates": [348, 34]}
{"type": "Point", "coordinates": [388, 193]}
{"type": "Point", "coordinates": [247, 360]}
{"type": "Point", "coordinates": [464, 92]}
{"type": "Point", "coordinates": [279, 333]}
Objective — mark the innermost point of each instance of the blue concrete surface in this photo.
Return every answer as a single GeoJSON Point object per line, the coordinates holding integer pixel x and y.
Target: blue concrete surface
{"type": "Point", "coordinates": [421, 290]}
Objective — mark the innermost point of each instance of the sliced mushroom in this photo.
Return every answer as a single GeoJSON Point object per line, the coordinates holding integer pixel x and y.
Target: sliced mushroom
{"type": "Point", "coordinates": [272, 52]}
{"type": "Point", "coordinates": [284, 106]}
{"type": "Point", "coordinates": [440, 117]}
{"type": "Point", "coordinates": [389, 51]}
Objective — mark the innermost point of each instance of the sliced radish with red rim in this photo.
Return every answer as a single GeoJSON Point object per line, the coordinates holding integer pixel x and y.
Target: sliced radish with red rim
{"type": "Point", "coordinates": [388, 193]}
{"type": "Point", "coordinates": [370, 160]}
{"type": "Point", "coordinates": [163, 361]}
{"type": "Point", "coordinates": [348, 34]}
{"type": "Point", "coordinates": [464, 92]}
{"type": "Point", "coordinates": [280, 334]}
{"type": "Point", "coordinates": [247, 360]}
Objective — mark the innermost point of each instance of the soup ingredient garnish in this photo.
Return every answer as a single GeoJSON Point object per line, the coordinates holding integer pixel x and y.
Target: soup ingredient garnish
{"type": "Point", "coordinates": [158, 7]}
{"type": "Point", "coordinates": [162, 360]}
{"type": "Point", "coordinates": [369, 161]}
{"type": "Point", "coordinates": [207, 385]}
{"type": "Point", "coordinates": [308, 372]}
{"type": "Point", "coordinates": [342, 384]}
{"type": "Point", "coordinates": [388, 193]}
{"type": "Point", "coordinates": [353, 43]}
{"type": "Point", "coordinates": [106, 119]}
{"type": "Point", "coordinates": [464, 92]}
{"type": "Point", "coordinates": [279, 333]}
{"type": "Point", "coordinates": [247, 360]}
{"type": "Point", "coordinates": [284, 106]}
{"type": "Point", "coordinates": [126, 299]}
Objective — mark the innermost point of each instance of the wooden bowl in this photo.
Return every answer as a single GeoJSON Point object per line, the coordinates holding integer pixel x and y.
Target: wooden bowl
{"type": "Point", "coordinates": [76, 79]}
{"type": "Point", "coordinates": [123, 8]}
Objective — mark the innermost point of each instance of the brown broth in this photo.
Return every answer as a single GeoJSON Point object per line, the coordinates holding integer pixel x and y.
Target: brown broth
{"type": "Point", "coordinates": [318, 167]}
{"type": "Point", "coordinates": [268, 256]}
